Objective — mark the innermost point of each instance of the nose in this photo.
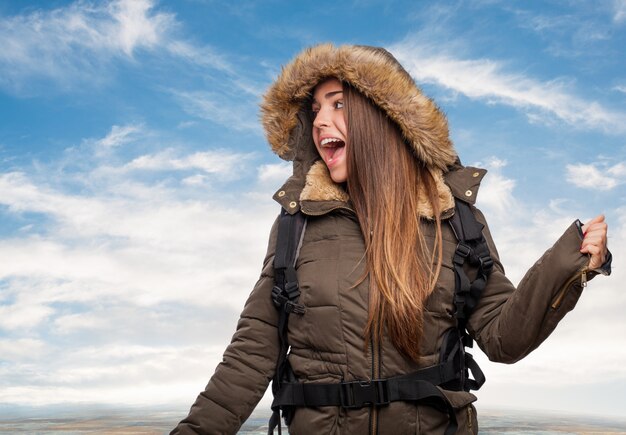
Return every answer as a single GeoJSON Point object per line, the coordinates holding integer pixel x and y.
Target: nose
{"type": "Point", "coordinates": [322, 119]}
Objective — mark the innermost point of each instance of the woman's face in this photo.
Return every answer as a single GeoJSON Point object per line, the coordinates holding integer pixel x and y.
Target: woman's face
{"type": "Point", "coordinates": [329, 128]}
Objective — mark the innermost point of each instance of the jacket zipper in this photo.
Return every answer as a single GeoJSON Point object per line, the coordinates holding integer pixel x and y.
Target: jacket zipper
{"type": "Point", "coordinates": [582, 275]}
{"type": "Point", "coordinates": [375, 375]}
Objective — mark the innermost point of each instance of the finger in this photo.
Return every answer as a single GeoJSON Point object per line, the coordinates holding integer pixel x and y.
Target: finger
{"type": "Point", "coordinates": [596, 262]}
{"type": "Point", "coordinates": [598, 243]}
{"type": "Point", "coordinates": [596, 234]}
{"type": "Point", "coordinates": [597, 257]}
{"type": "Point", "coordinates": [596, 251]}
{"type": "Point", "coordinates": [594, 237]}
{"type": "Point", "coordinates": [597, 226]}
{"type": "Point", "coordinates": [597, 219]}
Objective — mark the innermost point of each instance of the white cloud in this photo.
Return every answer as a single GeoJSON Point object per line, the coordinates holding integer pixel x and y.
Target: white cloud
{"type": "Point", "coordinates": [229, 111]}
{"type": "Point", "coordinates": [134, 27]}
{"type": "Point", "coordinates": [619, 11]}
{"type": "Point", "coordinates": [496, 191]}
{"type": "Point", "coordinates": [489, 81]}
{"type": "Point", "coordinates": [119, 135]}
{"type": "Point", "coordinates": [23, 315]}
{"type": "Point", "coordinates": [119, 283]}
{"type": "Point", "coordinates": [71, 43]}
{"type": "Point", "coordinates": [620, 88]}
{"type": "Point", "coordinates": [274, 173]}
{"type": "Point", "coordinates": [596, 176]}
{"type": "Point", "coordinates": [221, 162]}
{"type": "Point", "coordinates": [78, 43]}
{"type": "Point", "coordinates": [203, 56]}
{"type": "Point", "coordinates": [23, 349]}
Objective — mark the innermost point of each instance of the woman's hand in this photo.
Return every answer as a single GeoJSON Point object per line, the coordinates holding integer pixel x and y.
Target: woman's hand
{"type": "Point", "coordinates": [594, 241]}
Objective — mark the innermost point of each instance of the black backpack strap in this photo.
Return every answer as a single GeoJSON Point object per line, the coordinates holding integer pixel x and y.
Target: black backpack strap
{"type": "Point", "coordinates": [419, 387]}
{"type": "Point", "coordinates": [471, 248]}
{"type": "Point", "coordinates": [285, 294]}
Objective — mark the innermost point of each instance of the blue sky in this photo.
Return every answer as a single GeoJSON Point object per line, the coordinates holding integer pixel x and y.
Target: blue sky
{"type": "Point", "coordinates": [136, 183]}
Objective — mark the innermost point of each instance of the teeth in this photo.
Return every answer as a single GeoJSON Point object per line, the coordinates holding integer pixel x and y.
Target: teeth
{"type": "Point", "coordinates": [329, 140]}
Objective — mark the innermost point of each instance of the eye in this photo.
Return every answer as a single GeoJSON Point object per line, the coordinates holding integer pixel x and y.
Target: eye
{"type": "Point", "coordinates": [339, 104]}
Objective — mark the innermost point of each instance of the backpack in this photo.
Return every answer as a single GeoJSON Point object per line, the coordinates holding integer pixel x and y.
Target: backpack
{"type": "Point", "coordinates": [455, 364]}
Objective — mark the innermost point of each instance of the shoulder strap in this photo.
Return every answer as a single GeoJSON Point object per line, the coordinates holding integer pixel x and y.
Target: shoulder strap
{"type": "Point", "coordinates": [286, 292]}
{"type": "Point", "coordinates": [290, 234]}
{"type": "Point", "coordinates": [472, 248]}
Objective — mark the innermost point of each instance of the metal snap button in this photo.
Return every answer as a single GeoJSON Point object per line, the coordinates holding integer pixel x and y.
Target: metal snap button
{"type": "Point", "coordinates": [281, 193]}
{"type": "Point", "coordinates": [475, 174]}
{"type": "Point", "coordinates": [468, 193]}
{"type": "Point", "coordinates": [293, 204]}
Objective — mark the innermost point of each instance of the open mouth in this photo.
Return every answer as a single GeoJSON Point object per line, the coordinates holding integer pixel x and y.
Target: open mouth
{"type": "Point", "coordinates": [332, 148]}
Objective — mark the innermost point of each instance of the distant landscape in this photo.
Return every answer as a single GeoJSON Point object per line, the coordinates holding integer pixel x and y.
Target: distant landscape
{"type": "Point", "coordinates": [88, 420]}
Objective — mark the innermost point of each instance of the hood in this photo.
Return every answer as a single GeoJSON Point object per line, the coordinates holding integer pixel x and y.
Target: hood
{"type": "Point", "coordinates": [377, 75]}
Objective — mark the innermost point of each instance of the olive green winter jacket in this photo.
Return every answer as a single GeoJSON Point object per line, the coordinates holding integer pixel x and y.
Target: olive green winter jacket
{"type": "Point", "coordinates": [327, 341]}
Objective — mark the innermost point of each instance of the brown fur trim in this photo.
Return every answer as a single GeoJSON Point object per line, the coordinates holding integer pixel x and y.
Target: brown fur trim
{"type": "Point", "coordinates": [446, 200]}
{"type": "Point", "coordinates": [320, 187]}
{"type": "Point", "coordinates": [376, 74]}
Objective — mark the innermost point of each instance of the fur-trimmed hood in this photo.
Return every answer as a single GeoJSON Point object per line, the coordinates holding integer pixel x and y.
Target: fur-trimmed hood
{"type": "Point", "coordinates": [377, 75]}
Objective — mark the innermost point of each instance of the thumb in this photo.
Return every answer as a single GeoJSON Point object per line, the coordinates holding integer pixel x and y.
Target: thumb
{"type": "Point", "coordinates": [595, 220]}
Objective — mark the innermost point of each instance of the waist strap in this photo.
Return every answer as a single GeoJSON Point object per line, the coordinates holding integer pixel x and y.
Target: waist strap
{"type": "Point", "coordinates": [418, 387]}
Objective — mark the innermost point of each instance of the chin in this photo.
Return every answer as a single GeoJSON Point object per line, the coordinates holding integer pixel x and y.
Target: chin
{"type": "Point", "coordinates": [338, 178]}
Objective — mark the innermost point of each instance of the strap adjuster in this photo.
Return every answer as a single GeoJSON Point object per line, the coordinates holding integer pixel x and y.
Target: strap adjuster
{"type": "Point", "coordinates": [486, 262]}
{"type": "Point", "coordinates": [277, 297]}
{"type": "Point", "coordinates": [463, 250]}
{"type": "Point", "coordinates": [357, 394]}
{"type": "Point", "coordinates": [292, 307]}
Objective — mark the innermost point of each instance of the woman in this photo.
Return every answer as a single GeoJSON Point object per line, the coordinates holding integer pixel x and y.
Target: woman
{"type": "Point", "coordinates": [377, 177]}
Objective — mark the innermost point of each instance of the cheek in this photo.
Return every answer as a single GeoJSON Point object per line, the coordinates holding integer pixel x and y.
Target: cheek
{"type": "Point", "coordinates": [316, 141]}
{"type": "Point", "coordinates": [342, 126]}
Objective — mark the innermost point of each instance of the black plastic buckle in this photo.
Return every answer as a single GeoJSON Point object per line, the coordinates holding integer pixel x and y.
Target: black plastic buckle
{"type": "Point", "coordinates": [463, 250]}
{"type": "Point", "coordinates": [486, 263]}
{"type": "Point", "coordinates": [357, 394]}
{"type": "Point", "coordinates": [292, 290]}
{"type": "Point", "coordinates": [277, 297]}
{"type": "Point", "coordinates": [292, 307]}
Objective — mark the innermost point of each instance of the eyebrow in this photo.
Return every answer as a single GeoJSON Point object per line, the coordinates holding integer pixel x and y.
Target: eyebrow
{"type": "Point", "coordinates": [328, 95]}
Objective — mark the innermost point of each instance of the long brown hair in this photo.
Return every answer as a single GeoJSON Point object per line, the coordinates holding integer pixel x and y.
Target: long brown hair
{"type": "Point", "coordinates": [385, 181]}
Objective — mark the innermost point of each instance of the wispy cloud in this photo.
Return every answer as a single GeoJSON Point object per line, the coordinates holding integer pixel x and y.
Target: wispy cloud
{"type": "Point", "coordinates": [79, 42]}
{"type": "Point", "coordinates": [119, 135]}
{"type": "Point", "coordinates": [619, 11]}
{"type": "Point", "coordinates": [490, 81]}
{"type": "Point", "coordinates": [223, 162]}
{"type": "Point", "coordinates": [73, 42]}
{"type": "Point", "coordinates": [225, 109]}
{"type": "Point", "coordinates": [83, 45]}
{"type": "Point", "coordinates": [596, 176]}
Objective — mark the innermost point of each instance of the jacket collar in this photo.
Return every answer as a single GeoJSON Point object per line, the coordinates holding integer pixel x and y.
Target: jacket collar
{"type": "Point", "coordinates": [317, 194]}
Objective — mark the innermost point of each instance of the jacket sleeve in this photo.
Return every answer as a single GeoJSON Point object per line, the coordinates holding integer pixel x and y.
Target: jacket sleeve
{"type": "Point", "coordinates": [510, 322]}
{"type": "Point", "coordinates": [248, 364]}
